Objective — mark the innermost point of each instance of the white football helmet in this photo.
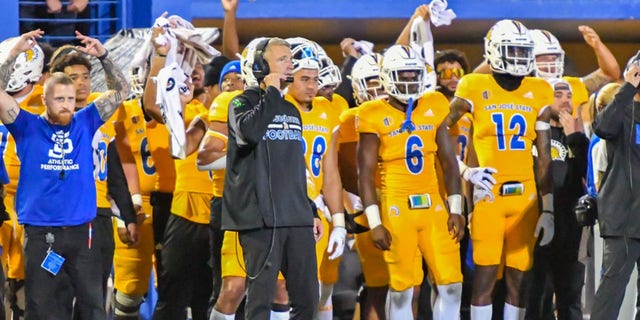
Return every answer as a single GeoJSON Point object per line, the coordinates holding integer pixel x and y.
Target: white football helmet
{"type": "Point", "coordinates": [304, 54]}
{"type": "Point", "coordinates": [246, 62]}
{"type": "Point", "coordinates": [365, 78]}
{"type": "Point", "coordinates": [329, 74]}
{"type": "Point", "coordinates": [508, 48]}
{"type": "Point", "coordinates": [546, 43]}
{"type": "Point", "coordinates": [27, 67]}
{"type": "Point", "coordinates": [399, 59]}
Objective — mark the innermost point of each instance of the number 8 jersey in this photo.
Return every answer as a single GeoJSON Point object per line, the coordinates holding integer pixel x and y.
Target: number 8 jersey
{"type": "Point", "coordinates": [504, 122]}
{"type": "Point", "coordinates": [407, 159]}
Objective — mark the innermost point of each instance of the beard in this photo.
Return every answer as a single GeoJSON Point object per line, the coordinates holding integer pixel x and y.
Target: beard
{"type": "Point", "coordinates": [61, 118]}
{"type": "Point", "coordinates": [446, 92]}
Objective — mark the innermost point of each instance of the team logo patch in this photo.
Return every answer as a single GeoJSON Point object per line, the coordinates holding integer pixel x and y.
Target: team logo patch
{"type": "Point", "coordinates": [394, 211]}
{"type": "Point", "coordinates": [134, 119]}
{"type": "Point", "coordinates": [387, 121]}
{"type": "Point", "coordinates": [30, 54]}
{"type": "Point", "coordinates": [558, 151]}
{"type": "Point", "coordinates": [485, 95]}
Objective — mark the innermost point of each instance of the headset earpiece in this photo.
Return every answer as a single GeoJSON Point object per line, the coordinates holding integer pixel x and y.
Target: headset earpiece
{"type": "Point", "coordinates": [260, 66]}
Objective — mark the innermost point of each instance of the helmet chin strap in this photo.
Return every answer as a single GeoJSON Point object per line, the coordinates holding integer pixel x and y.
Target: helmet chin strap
{"type": "Point", "coordinates": [407, 124]}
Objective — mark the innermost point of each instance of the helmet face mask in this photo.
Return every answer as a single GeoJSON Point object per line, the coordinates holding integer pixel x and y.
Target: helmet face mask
{"type": "Point", "coordinates": [304, 55]}
{"type": "Point", "coordinates": [329, 74]}
{"type": "Point", "coordinates": [549, 56]}
{"type": "Point", "coordinates": [403, 73]}
{"type": "Point", "coordinates": [508, 48]}
{"type": "Point", "coordinates": [365, 78]}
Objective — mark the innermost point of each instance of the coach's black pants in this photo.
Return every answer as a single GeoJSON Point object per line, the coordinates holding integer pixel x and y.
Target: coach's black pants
{"type": "Point", "coordinates": [292, 251]}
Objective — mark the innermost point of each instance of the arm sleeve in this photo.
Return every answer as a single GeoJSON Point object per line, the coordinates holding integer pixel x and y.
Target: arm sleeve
{"type": "Point", "coordinates": [345, 89]}
{"type": "Point", "coordinates": [609, 122]}
{"type": "Point", "coordinates": [250, 122]}
{"type": "Point", "coordinates": [117, 187]}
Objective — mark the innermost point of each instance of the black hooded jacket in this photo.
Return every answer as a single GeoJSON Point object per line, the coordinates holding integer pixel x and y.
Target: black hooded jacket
{"type": "Point", "coordinates": [265, 183]}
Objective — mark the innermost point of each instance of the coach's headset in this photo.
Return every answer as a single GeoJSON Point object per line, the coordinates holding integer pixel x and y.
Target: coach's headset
{"type": "Point", "coordinates": [260, 67]}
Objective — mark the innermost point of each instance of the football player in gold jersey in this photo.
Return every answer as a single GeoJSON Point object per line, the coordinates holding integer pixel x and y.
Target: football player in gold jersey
{"type": "Point", "coordinates": [510, 112]}
{"type": "Point", "coordinates": [404, 136]}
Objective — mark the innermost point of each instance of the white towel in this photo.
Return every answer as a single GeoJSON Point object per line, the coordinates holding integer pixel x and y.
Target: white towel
{"type": "Point", "coordinates": [188, 45]}
{"type": "Point", "coordinates": [421, 39]}
{"type": "Point", "coordinates": [170, 84]}
{"type": "Point", "coordinates": [363, 46]}
{"type": "Point", "coordinates": [439, 14]}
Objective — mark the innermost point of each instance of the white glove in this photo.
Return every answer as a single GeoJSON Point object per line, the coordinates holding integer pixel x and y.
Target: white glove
{"type": "Point", "coordinates": [439, 14]}
{"type": "Point", "coordinates": [336, 242]}
{"type": "Point", "coordinates": [480, 194]}
{"type": "Point", "coordinates": [319, 201]}
{"type": "Point", "coordinates": [545, 223]}
{"type": "Point", "coordinates": [480, 176]}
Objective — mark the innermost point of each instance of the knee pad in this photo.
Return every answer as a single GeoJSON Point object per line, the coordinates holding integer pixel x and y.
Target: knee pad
{"type": "Point", "coordinates": [450, 292]}
{"type": "Point", "coordinates": [401, 298]}
{"type": "Point", "coordinates": [126, 305]}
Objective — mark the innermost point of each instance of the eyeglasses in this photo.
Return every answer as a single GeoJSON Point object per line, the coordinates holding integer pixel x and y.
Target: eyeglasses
{"type": "Point", "coordinates": [446, 74]}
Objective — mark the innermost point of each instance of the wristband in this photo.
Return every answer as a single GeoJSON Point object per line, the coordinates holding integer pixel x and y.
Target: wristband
{"type": "Point", "coordinates": [136, 199]}
{"type": "Point", "coordinates": [541, 126]}
{"type": "Point", "coordinates": [455, 204]}
{"type": "Point", "coordinates": [373, 215]}
{"type": "Point", "coordinates": [104, 56]}
{"type": "Point", "coordinates": [338, 220]}
{"type": "Point", "coordinates": [161, 55]}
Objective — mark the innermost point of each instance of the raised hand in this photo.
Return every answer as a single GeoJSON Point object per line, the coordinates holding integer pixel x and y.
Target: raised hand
{"type": "Point", "coordinates": [92, 47]}
{"type": "Point", "coordinates": [229, 5]}
{"type": "Point", "coordinates": [27, 41]}
{"type": "Point", "coordinates": [590, 36]}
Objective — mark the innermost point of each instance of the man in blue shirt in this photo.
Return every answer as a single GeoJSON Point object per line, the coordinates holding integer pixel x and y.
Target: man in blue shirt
{"type": "Point", "coordinates": [56, 198]}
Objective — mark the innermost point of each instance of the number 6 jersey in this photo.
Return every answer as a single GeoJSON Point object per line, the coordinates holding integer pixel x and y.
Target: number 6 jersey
{"type": "Point", "coordinates": [407, 159]}
{"type": "Point", "coordinates": [504, 122]}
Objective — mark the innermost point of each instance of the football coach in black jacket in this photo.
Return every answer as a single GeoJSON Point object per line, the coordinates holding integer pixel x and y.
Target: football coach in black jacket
{"type": "Point", "coordinates": [265, 192]}
{"type": "Point", "coordinates": [619, 196]}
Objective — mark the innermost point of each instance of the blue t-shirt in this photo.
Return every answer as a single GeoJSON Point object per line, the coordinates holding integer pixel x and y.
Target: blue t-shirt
{"type": "Point", "coordinates": [591, 185]}
{"type": "Point", "coordinates": [56, 186]}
